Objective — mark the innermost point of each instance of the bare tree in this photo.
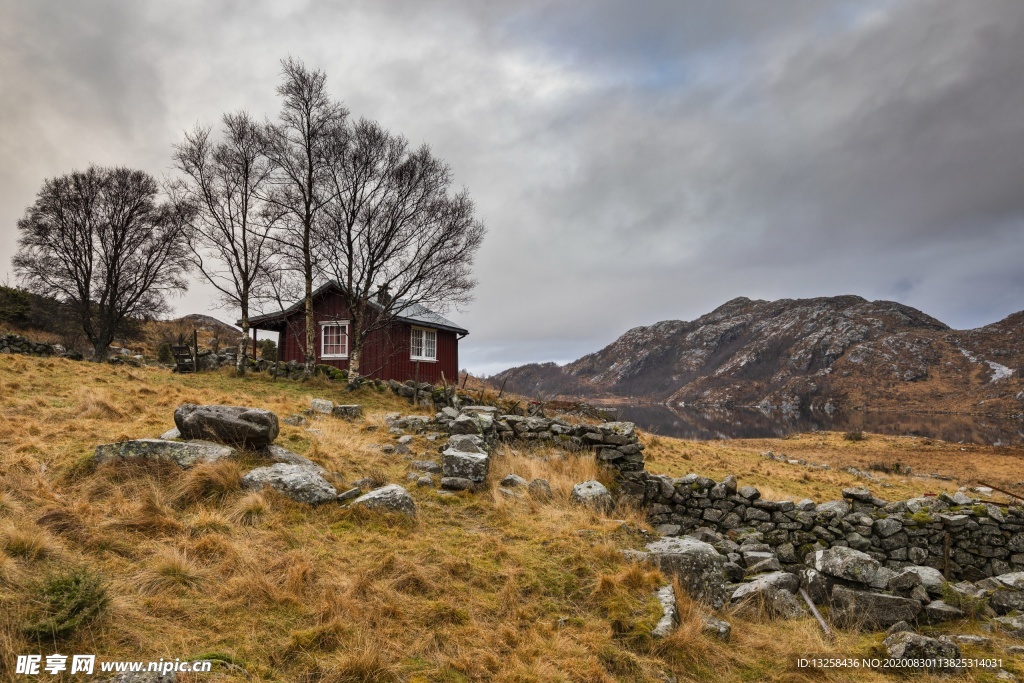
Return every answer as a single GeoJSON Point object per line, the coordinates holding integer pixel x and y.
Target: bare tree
{"type": "Point", "coordinates": [394, 236]}
{"type": "Point", "coordinates": [301, 149]}
{"type": "Point", "coordinates": [231, 226]}
{"type": "Point", "coordinates": [102, 242]}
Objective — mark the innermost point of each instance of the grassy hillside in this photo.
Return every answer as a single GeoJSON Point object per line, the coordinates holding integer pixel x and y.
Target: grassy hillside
{"type": "Point", "coordinates": [479, 587]}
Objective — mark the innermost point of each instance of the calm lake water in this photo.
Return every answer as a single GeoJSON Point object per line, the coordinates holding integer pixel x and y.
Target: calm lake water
{"type": "Point", "coordinates": [692, 423]}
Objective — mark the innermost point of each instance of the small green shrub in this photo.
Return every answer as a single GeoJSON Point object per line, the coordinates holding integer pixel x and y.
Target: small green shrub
{"type": "Point", "coordinates": [164, 354]}
{"type": "Point", "coordinates": [268, 349]}
{"type": "Point", "coordinates": [66, 601]}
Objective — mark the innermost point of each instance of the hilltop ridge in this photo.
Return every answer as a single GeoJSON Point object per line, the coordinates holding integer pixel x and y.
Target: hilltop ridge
{"type": "Point", "coordinates": [825, 353]}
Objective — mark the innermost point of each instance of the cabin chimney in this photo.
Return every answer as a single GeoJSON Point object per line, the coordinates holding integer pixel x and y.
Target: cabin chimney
{"type": "Point", "coordinates": [384, 296]}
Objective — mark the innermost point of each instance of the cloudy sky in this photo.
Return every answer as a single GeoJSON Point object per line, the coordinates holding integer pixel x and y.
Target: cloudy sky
{"type": "Point", "coordinates": [633, 161]}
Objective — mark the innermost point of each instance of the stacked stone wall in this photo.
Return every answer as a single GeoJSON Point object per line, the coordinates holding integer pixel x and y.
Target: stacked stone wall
{"type": "Point", "coordinates": [963, 537]}
{"type": "Point", "coordinates": [13, 343]}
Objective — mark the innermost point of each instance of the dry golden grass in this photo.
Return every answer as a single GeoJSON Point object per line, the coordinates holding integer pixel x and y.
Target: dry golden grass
{"type": "Point", "coordinates": [482, 587]}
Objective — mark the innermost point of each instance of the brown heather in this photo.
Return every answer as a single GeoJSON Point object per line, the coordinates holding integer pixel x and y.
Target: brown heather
{"type": "Point", "coordinates": [481, 587]}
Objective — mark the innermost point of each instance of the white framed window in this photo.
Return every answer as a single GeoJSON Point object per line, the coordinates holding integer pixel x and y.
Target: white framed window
{"type": "Point", "coordinates": [334, 339]}
{"type": "Point", "coordinates": [423, 345]}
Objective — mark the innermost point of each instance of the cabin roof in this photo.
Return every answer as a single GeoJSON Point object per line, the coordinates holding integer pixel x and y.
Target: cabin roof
{"type": "Point", "coordinates": [416, 314]}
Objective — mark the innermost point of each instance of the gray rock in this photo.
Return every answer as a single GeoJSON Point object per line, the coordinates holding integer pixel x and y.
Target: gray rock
{"type": "Point", "coordinates": [1005, 601]}
{"type": "Point", "coordinates": [931, 578]}
{"type": "Point", "coordinates": [171, 434]}
{"type": "Point", "coordinates": [1013, 580]}
{"type": "Point", "coordinates": [294, 420]}
{"type": "Point", "coordinates": [467, 443]}
{"type": "Point", "coordinates": [698, 566]}
{"type": "Point", "coordinates": [592, 494]}
{"type": "Point", "coordinates": [767, 583]}
{"type": "Point", "coordinates": [887, 527]}
{"type": "Point", "coordinates": [465, 424]}
{"type": "Point", "coordinates": [668, 529]}
{"type": "Point", "coordinates": [845, 563]}
{"type": "Point", "coordinates": [540, 490]}
{"type": "Point", "coordinates": [817, 585]}
{"type": "Point", "coordinates": [424, 480]}
{"type": "Point", "coordinates": [717, 628]}
{"type": "Point", "coordinates": [833, 508]}
{"type": "Point", "coordinates": [882, 578]}
{"type": "Point", "coordinates": [347, 412]}
{"type": "Point", "coordinates": [749, 492]}
{"type": "Point", "coordinates": [937, 611]}
{"type": "Point", "coordinates": [871, 611]}
{"type": "Point", "coordinates": [770, 564]}
{"type": "Point", "coordinates": [404, 440]}
{"type": "Point", "coordinates": [899, 627]}
{"type": "Point", "coordinates": [185, 455]}
{"type": "Point", "coordinates": [513, 480]}
{"type": "Point", "coordinates": [351, 494]}
{"type": "Point", "coordinates": [670, 612]}
{"type": "Point", "coordinates": [390, 498]}
{"type": "Point", "coordinates": [425, 466]}
{"type": "Point", "coordinates": [232, 425]}
{"type": "Point", "coordinates": [462, 465]}
{"type": "Point", "coordinates": [459, 484]}
{"type": "Point", "coordinates": [279, 454]}
{"type": "Point", "coordinates": [295, 481]}
{"type": "Point", "coordinates": [907, 645]}
{"type": "Point", "coordinates": [321, 405]}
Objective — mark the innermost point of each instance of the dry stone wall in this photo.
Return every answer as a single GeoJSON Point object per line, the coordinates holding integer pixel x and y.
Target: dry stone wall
{"type": "Point", "coordinates": [13, 343]}
{"type": "Point", "coordinates": [961, 536]}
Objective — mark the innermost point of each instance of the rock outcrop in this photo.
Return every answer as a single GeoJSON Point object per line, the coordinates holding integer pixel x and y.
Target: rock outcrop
{"type": "Point", "coordinates": [184, 454]}
{"type": "Point", "coordinates": [298, 482]}
{"type": "Point", "coordinates": [251, 428]}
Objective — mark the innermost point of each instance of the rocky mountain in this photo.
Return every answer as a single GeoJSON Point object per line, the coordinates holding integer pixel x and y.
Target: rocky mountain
{"type": "Point", "coordinates": [821, 353]}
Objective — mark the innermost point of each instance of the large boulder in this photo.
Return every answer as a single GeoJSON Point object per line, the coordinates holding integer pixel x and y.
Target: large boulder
{"type": "Point", "coordinates": [908, 645]}
{"type": "Point", "coordinates": [463, 465]}
{"type": "Point", "coordinates": [845, 563]}
{"type": "Point", "coordinates": [295, 481]}
{"type": "Point", "coordinates": [871, 611]}
{"type": "Point", "coordinates": [592, 494]}
{"type": "Point", "coordinates": [698, 566]}
{"type": "Point", "coordinates": [390, 498]}
{"type": "Point", "coordinates": [251, 428]}
{"type": "Point", "coordinates": [185, 455]}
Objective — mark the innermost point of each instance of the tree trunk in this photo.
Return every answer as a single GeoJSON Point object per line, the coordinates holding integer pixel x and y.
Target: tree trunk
{"type": "Point", "coordinates": [355, 342]}
{"type": "Point", "coordinates": [353, 360]}
{"type": "Point", "coordinates": [310, 359]}
{"type": "Point", "coordinates": [100, 350]}
{"type": "Point", "coordinates": [243, 347]}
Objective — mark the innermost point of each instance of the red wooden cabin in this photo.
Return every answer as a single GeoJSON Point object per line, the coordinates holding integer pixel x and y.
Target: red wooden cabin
{"type": "Point", "coordinates": [416, 344]}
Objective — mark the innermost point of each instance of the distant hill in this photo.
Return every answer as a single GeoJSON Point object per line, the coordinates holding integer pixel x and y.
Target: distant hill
{"type": "Point", "coordinates": [826, 353]}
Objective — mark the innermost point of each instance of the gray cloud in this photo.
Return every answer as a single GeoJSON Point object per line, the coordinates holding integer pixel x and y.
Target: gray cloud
{"type": "Point", "coordinates": [633, 161]}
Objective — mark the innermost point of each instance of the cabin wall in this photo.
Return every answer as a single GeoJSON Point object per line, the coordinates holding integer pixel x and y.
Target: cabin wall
{"type": "Point", "coordinates": [385, 353]}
